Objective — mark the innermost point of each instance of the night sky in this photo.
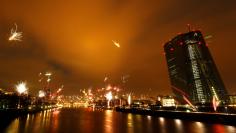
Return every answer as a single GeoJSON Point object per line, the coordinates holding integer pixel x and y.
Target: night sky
{"type": "Point", "coordinates": [73, 40]}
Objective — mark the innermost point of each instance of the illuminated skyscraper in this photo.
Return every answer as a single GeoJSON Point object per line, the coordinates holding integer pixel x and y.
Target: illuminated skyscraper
{"type": "Point", "coordinates": [192, 71]}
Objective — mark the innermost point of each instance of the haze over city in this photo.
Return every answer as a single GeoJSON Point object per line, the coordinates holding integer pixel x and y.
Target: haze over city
{"type": "Point", "coordinates": [112, 66]}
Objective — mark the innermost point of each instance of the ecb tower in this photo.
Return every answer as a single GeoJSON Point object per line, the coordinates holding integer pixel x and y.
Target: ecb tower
{"type": "Point", "coordinates": [192, 71]}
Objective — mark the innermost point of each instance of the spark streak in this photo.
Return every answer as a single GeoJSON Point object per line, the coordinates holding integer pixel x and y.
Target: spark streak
{"type": "Point", "coordinates": [15, 36]}
{"type": "Point", "coordinates": [116, 43]}
{"type": "Point", "coordinates": [215, 103]}
{"type": "Point", "coordinates": [189, 103]}
{"type": "Point", "coordinates": [129, 99]}
{"type": "Point", "coordinates": [48, 74]}
{"type": "Point", "coordinates": [124, 78]}
{"type": "Point", "coordinates": [105, 79]}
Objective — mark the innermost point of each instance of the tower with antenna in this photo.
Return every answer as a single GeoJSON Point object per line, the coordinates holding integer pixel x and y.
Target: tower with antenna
{"type": "Point", "coordinates": [192, 71]}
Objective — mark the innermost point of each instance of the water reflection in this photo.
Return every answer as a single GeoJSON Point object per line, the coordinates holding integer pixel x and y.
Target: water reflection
{"type": "Point", "coordinates": [40, 122]}
{"type": "Point", "coordinates": [199, 127]}
{"type": "Point", "coordinates": [217, 128]}
{"type": "Point", "coordinates": [178, 125]}
{"type": "Point", "coordinates": [162, 124]}
{"type": "Point", "coordinates": [14, 126]}
{"type": "Point", "coordinates": [130, 123]}
{"type": "Point", "coordinates": [161, 120]}
{"type": "Point", "coordinates": [231, 129]}
{"type": "Point", "coordinates": [55, 115]}
{"type": "Point", "coordinates": [106, 121]}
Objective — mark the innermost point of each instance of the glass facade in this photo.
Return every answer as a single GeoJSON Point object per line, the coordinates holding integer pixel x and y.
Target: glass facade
{"type": "Point", "coordinates": [192, 71]}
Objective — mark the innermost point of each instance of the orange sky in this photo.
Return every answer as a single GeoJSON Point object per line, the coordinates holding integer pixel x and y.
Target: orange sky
{"type": "Point", "coordinates": [74, 40]}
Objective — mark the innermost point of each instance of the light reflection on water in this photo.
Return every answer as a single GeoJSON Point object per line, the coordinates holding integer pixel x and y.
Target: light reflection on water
{"type": "Point", "coordinates": [107, 121]}
{"type": "Point", "coordinates": [178, 125]}
{"type": "Point", "coordinates": [199, 127]}
{"type": "Point", "coordinates": [130, 123]}
{"type": "Point", "coordinates": [162, 126]}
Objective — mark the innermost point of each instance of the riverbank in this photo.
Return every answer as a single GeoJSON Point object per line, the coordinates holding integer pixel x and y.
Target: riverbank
{"type": "Point", "coordinates": [221, 118]}
{"type": "Point", "coordinates": [13, 113]}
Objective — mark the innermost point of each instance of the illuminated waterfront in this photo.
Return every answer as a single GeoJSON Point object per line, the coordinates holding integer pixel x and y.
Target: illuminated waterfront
{"type": "Point", "coordinates": [117, 66]}
{"type": "Point", "coordinates": [107, 121]}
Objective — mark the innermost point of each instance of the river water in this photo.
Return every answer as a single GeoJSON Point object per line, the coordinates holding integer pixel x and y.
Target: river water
{"type": "Point", "coordinates": [83, 120]}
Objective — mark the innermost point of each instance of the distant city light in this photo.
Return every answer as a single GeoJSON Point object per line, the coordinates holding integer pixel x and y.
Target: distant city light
{"type": "Point", "coordinates": [168, 101]}
{"type": "Point", "coordinates": [158, 98]}
{"type": "Point", "coordinates": [108, 87]}
{"type": "Point", "coordinates": [41, 93]}
{"type": "Point", "coordinates": [21, 88]}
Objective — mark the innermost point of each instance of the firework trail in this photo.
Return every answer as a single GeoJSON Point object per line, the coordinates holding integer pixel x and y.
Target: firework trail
{"type": "Point", "coordinates": [15, 36]}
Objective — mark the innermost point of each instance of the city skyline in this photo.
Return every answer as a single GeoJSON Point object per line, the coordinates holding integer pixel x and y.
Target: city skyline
{"type": "Point", "coordinates": [76, 44]}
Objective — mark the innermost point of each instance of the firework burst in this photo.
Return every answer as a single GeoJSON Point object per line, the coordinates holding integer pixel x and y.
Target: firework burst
{"type": "Point", "coordinates": [15, 35]}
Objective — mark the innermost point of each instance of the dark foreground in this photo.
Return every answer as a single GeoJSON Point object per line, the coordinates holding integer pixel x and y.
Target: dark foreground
{"type": "Point", "coordinates": [70, 120]}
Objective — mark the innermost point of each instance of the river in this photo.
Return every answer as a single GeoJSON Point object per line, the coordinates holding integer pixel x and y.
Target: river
{"type": "Point", "coordinates": [82, 120]}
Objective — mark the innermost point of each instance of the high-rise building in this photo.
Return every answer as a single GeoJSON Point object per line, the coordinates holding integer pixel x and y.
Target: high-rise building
{"type": "Point", "coordinates": [192, 71]}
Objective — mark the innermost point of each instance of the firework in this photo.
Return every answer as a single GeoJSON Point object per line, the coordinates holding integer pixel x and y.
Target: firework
{"type": "Point", "coordinates": [48, 80]}
{"type": "Point", "coordinates": [125, 78]}
{"type": "Point", "coordinates": [215, 102]}
{"type": "Point", "coordinates": [48, 74]}
{"type": "Point", "coordinates": [21, 88]}
{"type": "Point", "coordinates": [109, 87]}
{"type": "Point", "coordinates": [105, 79]}
{"type": "Point", "coordinates": [42, 76]}
{"type": "Point", "coordinates": [116, 43]}
{"type": "Point", "coordinates": [109, 96]}
{"type": "Point", "coordinates": [189, 103]}
{"type": "Point", "coordinates": [129, 99]}
{"type": "Point", "coordinates": [15, 36]}
{"type": "Point", "coordinates": [59, 90]}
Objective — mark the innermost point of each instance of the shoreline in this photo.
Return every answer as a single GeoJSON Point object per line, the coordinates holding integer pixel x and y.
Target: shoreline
{"type": "Point", "coordinates": [221, 118]}
{"type": "Point", "coordinates": [14, 113]}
